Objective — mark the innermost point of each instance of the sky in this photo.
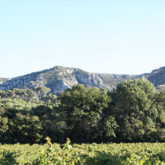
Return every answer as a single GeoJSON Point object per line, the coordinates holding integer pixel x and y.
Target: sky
{"type": "Point", "coordinates": [103, 36]}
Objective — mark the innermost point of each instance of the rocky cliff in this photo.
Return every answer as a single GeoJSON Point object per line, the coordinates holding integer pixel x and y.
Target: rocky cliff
{"type": "Point", "coordinates": [60, 78]}
{"type": "Point", "coordinates": [157, 77]}
{"type": "Point", "coordinates": [2, 80]}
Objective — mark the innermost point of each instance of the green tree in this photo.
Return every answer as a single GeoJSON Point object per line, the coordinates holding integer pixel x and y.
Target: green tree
{"type": "Point", "coordinates": [158, 115]}
{"type": "Point", "coordinates": [131, 104]}
{"type": "Point", "coordinates": [84, 110]}
{"type": "Point", "coordinates": [42, 92]}
{"type": "Point", "coordinates": [3, 123]}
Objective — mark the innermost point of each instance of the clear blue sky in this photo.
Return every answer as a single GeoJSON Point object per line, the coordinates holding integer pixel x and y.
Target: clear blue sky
{"type": "Point", "coordinates": [111, 36]}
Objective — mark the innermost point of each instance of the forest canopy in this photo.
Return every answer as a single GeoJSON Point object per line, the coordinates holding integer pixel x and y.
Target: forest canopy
{"type": "Point", "coordinates": [132, 112]}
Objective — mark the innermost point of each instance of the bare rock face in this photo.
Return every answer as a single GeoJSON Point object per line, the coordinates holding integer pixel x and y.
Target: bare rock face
{"type": "Point", "coordinates": [2, 80]}
{"type": "Point", "coordinates": [157, 77]}
{"type": "Point", "coordinates": [60, 78]}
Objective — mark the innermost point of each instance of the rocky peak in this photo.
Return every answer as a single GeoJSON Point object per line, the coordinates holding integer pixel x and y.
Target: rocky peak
{"type": "Point", "coordinates": [60, 78]}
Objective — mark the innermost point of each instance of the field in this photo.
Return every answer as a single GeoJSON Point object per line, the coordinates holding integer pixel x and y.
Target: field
{"type": "Point", "coordinates": [90, 154]}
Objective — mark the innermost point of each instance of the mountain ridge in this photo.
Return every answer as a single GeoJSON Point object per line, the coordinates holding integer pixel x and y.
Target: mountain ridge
{"type": "Point", "coordinates": [60, 78]}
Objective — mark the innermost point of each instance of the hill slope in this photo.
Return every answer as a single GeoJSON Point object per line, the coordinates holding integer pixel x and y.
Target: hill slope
{"type": "Point", "coordinates": [157, 77]}
{"type": "Point", "coordinates": [60, 78]}
{"type": "Point", "coordinates": [2, 80]}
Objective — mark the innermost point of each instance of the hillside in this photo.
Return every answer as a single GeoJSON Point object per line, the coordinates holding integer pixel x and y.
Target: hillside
{"type": "Point", "coordinates": [60, 78]}
{"type": "Point", "coordinates": [157, 77]}
{"type": "Point", "coordinates": [2, 80]}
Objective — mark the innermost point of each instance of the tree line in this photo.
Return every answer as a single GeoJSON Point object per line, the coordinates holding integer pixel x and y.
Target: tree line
{"type": "Point", "coordinates": [132, 112]}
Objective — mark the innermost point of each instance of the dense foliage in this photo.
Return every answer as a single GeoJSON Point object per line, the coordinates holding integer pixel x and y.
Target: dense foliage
{"type": "Point", "coordinates": [133, 112]}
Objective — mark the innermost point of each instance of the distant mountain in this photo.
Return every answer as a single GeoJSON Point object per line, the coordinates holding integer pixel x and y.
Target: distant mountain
{"type": "Point", "coordinates": [2, 80]}
{"type": "Point", "coordinates": [157, 77]}
{"type": "Point", "coordinates": [60, 78]}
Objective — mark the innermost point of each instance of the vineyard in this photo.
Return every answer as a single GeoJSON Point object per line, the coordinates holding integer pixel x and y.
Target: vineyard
{"type": "Point", "coordinates": [88, 154]}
